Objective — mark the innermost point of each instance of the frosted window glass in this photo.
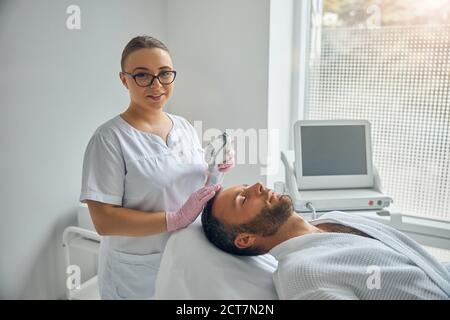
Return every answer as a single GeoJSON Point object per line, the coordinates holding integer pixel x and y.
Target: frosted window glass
{"type": "Point", "coordinates": [398, 78]}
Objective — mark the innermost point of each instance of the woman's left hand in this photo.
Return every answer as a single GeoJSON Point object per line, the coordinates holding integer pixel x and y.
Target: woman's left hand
{"type": "Point", "coordinates": [229, 163]}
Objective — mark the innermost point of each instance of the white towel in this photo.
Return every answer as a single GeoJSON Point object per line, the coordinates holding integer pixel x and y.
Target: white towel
{"type": "Point", "coordinates": [346, 266]}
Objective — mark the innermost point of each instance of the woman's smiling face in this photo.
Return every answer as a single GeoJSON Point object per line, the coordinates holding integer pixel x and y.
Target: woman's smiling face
{"type": "Point", "coordinates": [152, 61]}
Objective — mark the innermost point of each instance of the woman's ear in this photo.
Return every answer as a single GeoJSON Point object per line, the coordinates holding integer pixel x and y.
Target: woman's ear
{"type": "Point", "coordinates": [244, 240]}
{"type": "Point", "coordinates": [122, 78]}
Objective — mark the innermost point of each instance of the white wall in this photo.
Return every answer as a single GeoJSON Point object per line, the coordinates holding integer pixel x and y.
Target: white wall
{"type": "Point", "coordinates": [221, 51]}
{"type": "Point", "coordinates": [280, 83]}
{"type": "Point", "coordinates": [56, 87]}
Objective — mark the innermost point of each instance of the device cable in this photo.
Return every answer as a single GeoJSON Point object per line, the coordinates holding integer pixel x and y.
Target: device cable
{"type": "Point", "coordinates": [312, 209]}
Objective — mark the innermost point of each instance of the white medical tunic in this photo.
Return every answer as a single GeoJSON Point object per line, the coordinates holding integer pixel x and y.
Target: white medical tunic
{"type": "Point", "coordinates": [138, 170]}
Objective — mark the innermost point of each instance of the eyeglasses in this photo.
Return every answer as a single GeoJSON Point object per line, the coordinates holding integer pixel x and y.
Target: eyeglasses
{"type": "Point", "coordinates": [146, 79]}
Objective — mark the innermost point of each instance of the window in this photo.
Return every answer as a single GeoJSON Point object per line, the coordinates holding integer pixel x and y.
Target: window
{"type": "Point", "coordinates": [389, 62]}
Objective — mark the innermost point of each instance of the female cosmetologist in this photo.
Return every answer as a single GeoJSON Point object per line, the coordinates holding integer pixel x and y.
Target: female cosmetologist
{"type": "Point", "coordinates": [143, 175]}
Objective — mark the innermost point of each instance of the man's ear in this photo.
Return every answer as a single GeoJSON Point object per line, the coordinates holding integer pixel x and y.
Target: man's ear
{"type": "Point", "coordinates": [122, 78]}
{"type": "Point", "coordinates": [244, 240]}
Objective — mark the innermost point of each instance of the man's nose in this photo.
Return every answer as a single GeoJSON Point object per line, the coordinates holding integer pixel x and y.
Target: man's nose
{"type": "Point", "coordinates": [258, 188]}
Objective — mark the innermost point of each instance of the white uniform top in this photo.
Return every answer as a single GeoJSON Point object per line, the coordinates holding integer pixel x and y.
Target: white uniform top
{"type": "Point", "coordinates": [138, 170]}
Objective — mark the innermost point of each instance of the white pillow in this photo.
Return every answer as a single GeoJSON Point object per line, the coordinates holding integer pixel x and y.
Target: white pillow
{"type": "Point", "coordinates": [192, 268]}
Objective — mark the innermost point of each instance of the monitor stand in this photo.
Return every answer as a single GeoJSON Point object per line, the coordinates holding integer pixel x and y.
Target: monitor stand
{"type": "Point", "coordinates": [336, 199]}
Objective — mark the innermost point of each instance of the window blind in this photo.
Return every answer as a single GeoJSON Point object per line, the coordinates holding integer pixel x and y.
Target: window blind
{"type": "Point", "coordinates": [398, 78]}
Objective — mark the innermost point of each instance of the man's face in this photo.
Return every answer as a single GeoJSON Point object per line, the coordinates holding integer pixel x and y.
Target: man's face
{"type": "Point", "coordinates": [241, 204]}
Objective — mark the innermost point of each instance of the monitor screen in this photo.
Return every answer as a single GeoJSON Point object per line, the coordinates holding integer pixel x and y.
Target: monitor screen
{"type": "Point", "coordinates": [333, 150]}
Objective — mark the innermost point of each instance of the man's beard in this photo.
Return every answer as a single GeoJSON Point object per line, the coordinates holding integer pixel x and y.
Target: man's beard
{"type": "Point", "coordinates": [269, 220]}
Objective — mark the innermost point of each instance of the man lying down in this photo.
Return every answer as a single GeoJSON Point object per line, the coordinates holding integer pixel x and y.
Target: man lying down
{"type": "Point", "coordinates": [338, 256]}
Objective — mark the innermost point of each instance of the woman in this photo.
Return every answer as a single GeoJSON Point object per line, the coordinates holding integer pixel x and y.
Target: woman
{"type": "Point", "coordinates": [143, 175]}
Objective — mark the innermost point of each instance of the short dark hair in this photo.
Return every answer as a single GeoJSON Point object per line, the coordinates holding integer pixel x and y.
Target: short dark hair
{"type": "Point", "coordinates": [223, 235]}
{"type": "Point", "coordinates": [141, 42]}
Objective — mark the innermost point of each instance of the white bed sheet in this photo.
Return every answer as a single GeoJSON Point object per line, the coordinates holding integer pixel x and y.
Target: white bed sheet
{"type": "Point", "coordinates": [192, 268]}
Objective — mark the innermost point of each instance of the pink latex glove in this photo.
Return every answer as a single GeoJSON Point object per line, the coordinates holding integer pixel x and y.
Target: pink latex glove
{"type": "Point", "coordinates": [191, 208]}
{"type": "Point", "coordinates": [229, 162]}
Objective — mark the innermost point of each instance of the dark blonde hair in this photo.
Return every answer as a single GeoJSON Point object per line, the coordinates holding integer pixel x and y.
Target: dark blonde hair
{"type": "Point", "coordinates": [141, 42]}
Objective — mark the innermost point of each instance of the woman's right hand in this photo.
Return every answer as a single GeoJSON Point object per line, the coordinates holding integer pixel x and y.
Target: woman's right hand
{"type": "Point", "coordinates": [191, 208]}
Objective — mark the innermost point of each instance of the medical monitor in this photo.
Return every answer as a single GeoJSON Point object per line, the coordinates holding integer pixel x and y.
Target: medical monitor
{"type": "Point", "coordinates": [333, 154]}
